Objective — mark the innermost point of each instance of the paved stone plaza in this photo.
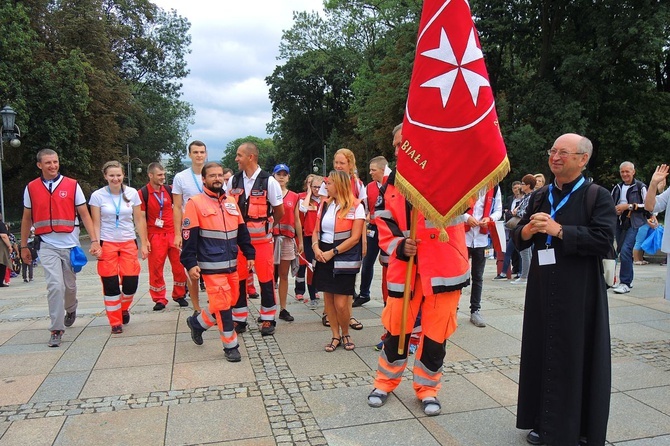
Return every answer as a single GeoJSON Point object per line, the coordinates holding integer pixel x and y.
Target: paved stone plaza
{"type": "Point", "coordinates": [153, 386]}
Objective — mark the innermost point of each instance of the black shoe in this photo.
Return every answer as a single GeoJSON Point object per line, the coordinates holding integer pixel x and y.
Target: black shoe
{"type": "Point", "coordinates": [202, 287]}
{"type": "Point", "coordinates": [360, 300]}
{"type": "Point", "coordinates": [286, 316]}
{"type": "Point", "coordinates": [232, 354]}
{"type": "Point", "coordinates": [182, 302]}
{"type": "Point", "coordinates": [25, 280]}
{"type": "Point", "coordinates": [126, 316]}
{"type": "Point", "coordinates": [533, 437]}
{"type": "Point", "coordinates": [253, 296]}
{"type": "Point", "coordinates": [268, 328]}
{"type": "Point", "coordinates": [70, 318]}
{"type": "Point", "coordinates": [196, 333]}
{"type": "Point", "coordinates": [159, 306]}
{"type": "Point", "coordinates": [117, 329]}
{"type": "Point", "coordinates": [240, 327]}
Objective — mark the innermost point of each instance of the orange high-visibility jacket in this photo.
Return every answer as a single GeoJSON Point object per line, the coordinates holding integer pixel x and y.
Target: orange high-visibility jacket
{"type": "Point", "coordinates": [443, 266]}
{"type": "Point", "coordinates": [213, 229]}
{"type": "Point", "coordinates": [53, 211]}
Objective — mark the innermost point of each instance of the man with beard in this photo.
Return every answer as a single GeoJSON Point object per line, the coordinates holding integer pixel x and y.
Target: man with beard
{"type": "Point", "coordinates": [212, 228]}
{"type": "Point", "coordinates": [565, 374]}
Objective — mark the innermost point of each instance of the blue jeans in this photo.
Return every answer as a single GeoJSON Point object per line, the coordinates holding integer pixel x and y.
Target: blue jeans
{"type": "Point", "coordinates": [368, 267]}
{"type": "Point", "coordinates": [509, 252]}
{"type": "Point", "coordinates": [625, 240]}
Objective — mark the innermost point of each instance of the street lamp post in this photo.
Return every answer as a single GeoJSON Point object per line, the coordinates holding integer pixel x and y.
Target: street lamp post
{"type": "Point", "coordinates": [130, 168]}
{"type": "Point", "coordinates": [315, 167]}
{"type": "Point", "coordinates": [10, 132]}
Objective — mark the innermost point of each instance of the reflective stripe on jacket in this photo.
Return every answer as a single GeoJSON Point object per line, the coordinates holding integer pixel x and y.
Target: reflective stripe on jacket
{"type": "Point", "coordinates": [53, 211]}
{"type": "Point", "coordinates": [348, 262]}
{"type": "Point", "coordinates": [210, 233]}
{"type": "Point", "coordinates": [256, 209]}
{"type": "Point", "coordinates": [286, 225]}
{"type": "Point", "coordinates": [442, 266]}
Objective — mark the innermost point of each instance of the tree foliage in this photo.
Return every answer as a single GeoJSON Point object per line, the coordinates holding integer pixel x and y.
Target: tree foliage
{"type": "Point", "coordinates": [600, 68]}
{"type": "Point", "coordinates": [89, 78]}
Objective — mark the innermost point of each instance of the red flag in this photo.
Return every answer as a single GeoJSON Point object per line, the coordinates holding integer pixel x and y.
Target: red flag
{"type": "Point", "coordinates": [452, 146]}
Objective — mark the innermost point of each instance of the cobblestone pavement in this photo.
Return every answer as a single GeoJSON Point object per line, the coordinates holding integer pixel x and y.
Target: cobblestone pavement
{"type": "Point", "coordinates": [152, 385]}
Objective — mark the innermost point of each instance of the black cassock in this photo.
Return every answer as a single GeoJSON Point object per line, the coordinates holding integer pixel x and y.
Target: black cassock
{"type": "Point", "coordinates": [565, 373]}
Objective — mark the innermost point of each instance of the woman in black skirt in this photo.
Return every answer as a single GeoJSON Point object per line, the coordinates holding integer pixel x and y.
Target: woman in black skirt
{"type": "Point", "coordinates": [338, 253]}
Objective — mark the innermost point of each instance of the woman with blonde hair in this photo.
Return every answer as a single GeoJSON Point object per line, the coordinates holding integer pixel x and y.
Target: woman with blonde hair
{"type": "Point", "coordinates": [344, 160]}
{"type": "Point", "coordinates": [338, 253]}
{"type": "Point", "coordinates": [539, 181]}
{"type": "Point", "coordinates": [116, 214]}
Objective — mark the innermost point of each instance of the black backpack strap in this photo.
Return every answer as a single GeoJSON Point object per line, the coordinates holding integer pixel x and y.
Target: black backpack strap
{"type": "Point", "coordinates": [145, 195]}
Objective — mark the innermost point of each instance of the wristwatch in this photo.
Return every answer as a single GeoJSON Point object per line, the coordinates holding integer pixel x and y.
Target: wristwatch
{"type": "Point", "coordinates": [336, 251]}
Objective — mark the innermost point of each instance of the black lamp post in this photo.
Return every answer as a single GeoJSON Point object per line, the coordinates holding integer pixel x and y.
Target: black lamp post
{"type": "Point", "coordinates": [11, 133]}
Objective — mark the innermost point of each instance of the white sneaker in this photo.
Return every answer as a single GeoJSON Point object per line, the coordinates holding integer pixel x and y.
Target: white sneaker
{"type": "Point", "coordinates": [622, 288]}
{"type": "Point", "coordinates": [519, 281]}
{"type": "Point", "coordinates": [477, 319]}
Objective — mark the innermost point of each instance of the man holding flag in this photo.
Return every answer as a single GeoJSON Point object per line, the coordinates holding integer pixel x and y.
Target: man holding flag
{"type": "Point", "coordinates": [450, 149]}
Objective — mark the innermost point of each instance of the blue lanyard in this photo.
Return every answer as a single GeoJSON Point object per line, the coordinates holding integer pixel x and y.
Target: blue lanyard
{"type": "Point", "coordinates": [561, 204]}
{"type": "Point", "coordinates": [116, 205]}
{"type": "Point", "coordinates": [195, 180]}
{"type": "Point", "coordinates": [160, 203]}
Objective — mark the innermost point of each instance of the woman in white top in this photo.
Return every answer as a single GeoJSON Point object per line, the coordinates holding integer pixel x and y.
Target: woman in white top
{"type": "Point", "coordinates": [657, 204]}
{"type": "Point", "coordinates": [116, 214]}
{"type": "Point", "coordinates": [338, 254]}
{"type": "Point", "coordinates": [344, 160]}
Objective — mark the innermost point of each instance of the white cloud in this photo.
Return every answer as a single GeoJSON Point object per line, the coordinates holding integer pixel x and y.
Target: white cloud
{"type": "Point", "coordinates": [234, 47]}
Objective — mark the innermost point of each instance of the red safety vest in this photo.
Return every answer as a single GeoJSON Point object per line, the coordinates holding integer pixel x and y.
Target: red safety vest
{"type": "Point", "coordinates": [256, 208]}
{"type": "Point", "coordinates": [286, 225]}
{"type": "Point", "coordinates": [348, 262]}
{"type": "Point", "coordinates": [308, 219]}
{"type": "Point", "coordinates": [53, 211]}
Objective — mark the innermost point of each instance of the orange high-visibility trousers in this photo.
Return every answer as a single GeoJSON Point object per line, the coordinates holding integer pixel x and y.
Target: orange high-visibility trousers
{"type": "Point", "coordinates": [162, 247]}
{"type": "Point", "coordinates": [264, 268]}
{"type": "Point", "coordinates": [438, 321]}
{"type": "Point", "coordinates": [222, 293]}
{"type": "Point", "coordinates": [118, 259]}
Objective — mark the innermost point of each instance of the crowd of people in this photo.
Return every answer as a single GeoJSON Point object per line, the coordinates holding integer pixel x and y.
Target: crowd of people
{"type": "Point", "coordinates": [218, 228]}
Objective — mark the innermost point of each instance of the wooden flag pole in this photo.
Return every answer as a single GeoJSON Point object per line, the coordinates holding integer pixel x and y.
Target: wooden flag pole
{"type": "Point", "coordinates": [408, 284]}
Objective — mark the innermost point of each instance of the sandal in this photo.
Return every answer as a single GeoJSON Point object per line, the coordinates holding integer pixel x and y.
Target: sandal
{"type": "Point", "coordinates": [355, 324]}
{"type": "Point", "coordinates": [324, 320]}
{"type": "Point", "coordinates": [640, 262]}
{"type": "Point", "coordinates": [332, 346]}
{"type": "Point", "coordinates": [348, 345]}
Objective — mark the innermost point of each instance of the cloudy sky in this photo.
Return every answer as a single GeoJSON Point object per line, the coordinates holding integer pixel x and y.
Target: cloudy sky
{"type": "Point", "coordinates": [234, 47]}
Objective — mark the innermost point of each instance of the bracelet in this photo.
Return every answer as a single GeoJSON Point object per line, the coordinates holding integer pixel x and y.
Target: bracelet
{"type": "Point", "coordinates": [560, 233]}
{"type": "Point", "coordinates": [95, 241]}
{"type": "Point", "coordinates": [315, 243]}
{"type": "Point", "coordinates": [24, 247]}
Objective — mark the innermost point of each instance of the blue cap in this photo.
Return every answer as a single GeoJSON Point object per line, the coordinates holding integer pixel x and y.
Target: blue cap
{"type": "Point", "coordinates": [280, 167]}
{"type": "Point", "coordinates": [77, 259]}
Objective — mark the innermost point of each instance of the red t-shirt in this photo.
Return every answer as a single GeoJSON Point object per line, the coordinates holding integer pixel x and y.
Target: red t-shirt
{"type": "Point", "coordinates": [153, 210]}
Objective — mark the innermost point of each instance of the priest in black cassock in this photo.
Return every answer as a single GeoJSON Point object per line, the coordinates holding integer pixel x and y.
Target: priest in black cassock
{"type": "Point", "coordinates": [565, 374]}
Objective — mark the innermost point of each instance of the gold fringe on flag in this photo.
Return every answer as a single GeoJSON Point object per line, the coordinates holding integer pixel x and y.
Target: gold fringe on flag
{"type": "Point", "coordinates": [442, 221]}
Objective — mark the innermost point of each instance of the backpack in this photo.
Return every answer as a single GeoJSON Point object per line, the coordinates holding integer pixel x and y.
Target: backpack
{"type": "Point", "coordinates": [145, 195]}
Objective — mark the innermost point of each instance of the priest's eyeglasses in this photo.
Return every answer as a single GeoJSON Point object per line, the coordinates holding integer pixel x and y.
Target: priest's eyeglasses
{"type": "Point", "coordinates": [562, 153]}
